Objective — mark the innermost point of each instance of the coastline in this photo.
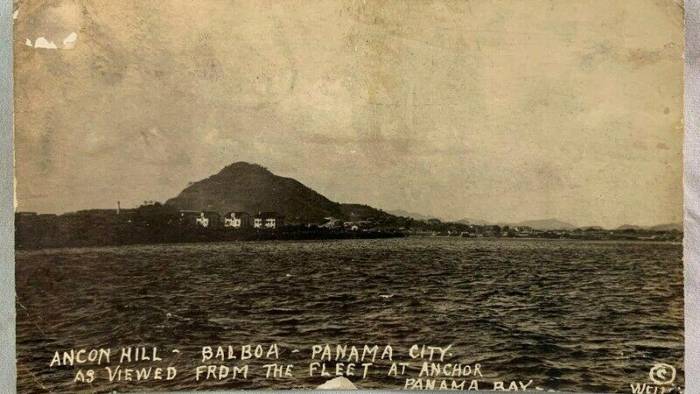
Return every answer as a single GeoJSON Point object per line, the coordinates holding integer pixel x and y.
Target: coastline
{"type": "Point", "coordinates": [201, 236]}
{"type": "Point", "coordinates": [341, 236]}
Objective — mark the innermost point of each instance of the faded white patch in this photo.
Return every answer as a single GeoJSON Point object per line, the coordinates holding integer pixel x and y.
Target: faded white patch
{"type": "Point", "coordinates": [28, 42]}
{"type": "Point", "coordinates": [15, 14]}
{"type": "Point", "coordinates": [42, 42]}
{"type": "Point", "coordinates": [69, 41]}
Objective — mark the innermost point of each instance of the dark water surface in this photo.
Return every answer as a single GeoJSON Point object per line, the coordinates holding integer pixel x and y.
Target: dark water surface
{"type": "Point", "coordinates": [571, 315]}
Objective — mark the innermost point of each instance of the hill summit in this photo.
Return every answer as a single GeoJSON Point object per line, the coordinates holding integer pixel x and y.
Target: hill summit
{"type": "Point", "coordinates": [253, 188]}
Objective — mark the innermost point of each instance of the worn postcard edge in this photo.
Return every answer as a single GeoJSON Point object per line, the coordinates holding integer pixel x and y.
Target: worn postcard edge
{"type": "Point", "coordinates": [691, 190]}
{"type": "Point", "coordinates": [7, 255]}
{"type": "Point", "coordinates": [691, 201]}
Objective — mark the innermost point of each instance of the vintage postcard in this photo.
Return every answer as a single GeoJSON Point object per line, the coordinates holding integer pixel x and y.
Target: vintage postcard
{"type": "Point", "coordinates": [417, 195]}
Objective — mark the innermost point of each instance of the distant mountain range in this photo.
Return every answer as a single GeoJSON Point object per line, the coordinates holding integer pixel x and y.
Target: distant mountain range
{"type": "Point", "coordinates": [545, 224]}
{"type": "Point", "coordinates": [667, 227]}
{"type": "Point", "coordinates": [252, 188]}
{"type": "Point", "coordinates": [420, 216]}
{"type": "Point", "coordinates": [412, 215]}
{"type": "Point", "coordinates": [555, 224]}
{"type": "Point", "coordinates": [541, 224]}
{"type": "Point", "coordinates": [476, 222]}
{"type": "Point", "coordinates": [658, 227]}
{"type": "Point", "coordinates": [629, 227]}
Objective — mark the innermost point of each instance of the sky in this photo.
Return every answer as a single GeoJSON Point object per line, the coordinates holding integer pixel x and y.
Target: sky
{"type": "Point", "coordinates": [495, 110]}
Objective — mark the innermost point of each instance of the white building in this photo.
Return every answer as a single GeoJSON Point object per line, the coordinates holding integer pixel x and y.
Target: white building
{"type": "Point", "coordinates": [268, 220]}
{"type": "Point", "coordinates": [206, 219]}
{"type": "Point", "coordinates": [202, 220]}
{"type": "Point", "coordinates": [237, 220]}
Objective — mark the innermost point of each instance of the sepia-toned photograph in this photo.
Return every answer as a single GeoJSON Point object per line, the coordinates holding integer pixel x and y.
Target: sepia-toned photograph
{"type": "Point", "coordinates": [349, 194]}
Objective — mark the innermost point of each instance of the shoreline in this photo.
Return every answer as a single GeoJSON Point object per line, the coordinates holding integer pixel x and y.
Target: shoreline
{"type": "Point", "coordinates": [264, 237]}
{"type": "Point", "coordinates": [205, 236]}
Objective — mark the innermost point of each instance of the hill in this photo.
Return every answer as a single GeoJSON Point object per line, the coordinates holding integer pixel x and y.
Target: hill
{"type": "Point", "coordinates": [252, 188]}
{"type": "Point", "coordinates": [407, 214]}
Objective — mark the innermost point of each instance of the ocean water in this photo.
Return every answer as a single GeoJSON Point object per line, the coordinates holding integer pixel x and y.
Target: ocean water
{"type": "Point", "coordinates": [569, 315]}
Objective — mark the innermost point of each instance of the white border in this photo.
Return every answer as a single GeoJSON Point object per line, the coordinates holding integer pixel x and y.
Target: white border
{"type": "Point", "coordinates": [691, 157]}
{"type": "Point", "coordinates": [7, 237]}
